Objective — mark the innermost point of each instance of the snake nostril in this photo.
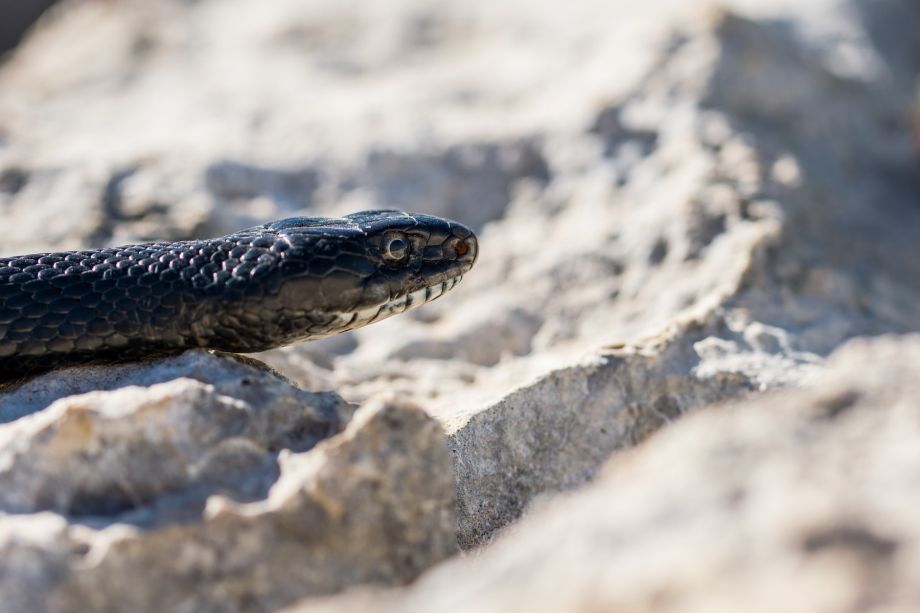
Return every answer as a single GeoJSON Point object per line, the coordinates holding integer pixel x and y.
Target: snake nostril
{"type": "Point", "coordinates": [466, 249]}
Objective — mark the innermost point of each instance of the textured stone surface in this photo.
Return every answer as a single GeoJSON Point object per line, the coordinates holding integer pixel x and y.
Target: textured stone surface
{"type": "Point", "coordinates": [235, 376]}
{"type": "Point", "coordinates": [764, 318]}
{"type": "Point", "coordinates": [799, 501]}
{"type": "Point", "coordinates": [678, 204]}
{"type": "Point", "coordinates": [553, 434]}
{"type": "Point", "coordinates": [371, 505]}
{"type": "Point", "coordinates": [107, 452]}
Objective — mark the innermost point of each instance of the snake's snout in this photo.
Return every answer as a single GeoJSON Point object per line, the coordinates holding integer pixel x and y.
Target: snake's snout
{"type": "Point", "coordinates": [466, 251]}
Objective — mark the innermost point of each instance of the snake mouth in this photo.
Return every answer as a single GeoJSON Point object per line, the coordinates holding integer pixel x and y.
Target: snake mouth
{"type": "Point", "coordinates": [403, 303]}
{"type": "Point", "coordinates": [417, 298]}
{"type": "Point", "coordinates": [400, 304]}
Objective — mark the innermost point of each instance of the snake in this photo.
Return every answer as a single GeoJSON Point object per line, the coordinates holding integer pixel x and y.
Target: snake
{"type": "Point", "coordinates": [271, 285]}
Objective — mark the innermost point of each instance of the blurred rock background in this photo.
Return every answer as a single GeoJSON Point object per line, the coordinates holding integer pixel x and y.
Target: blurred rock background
{"type": "Point", "coordinates": [680, 205]}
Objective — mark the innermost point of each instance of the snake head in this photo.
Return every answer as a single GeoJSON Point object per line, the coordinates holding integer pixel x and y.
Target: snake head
{"type": "Point", "coordinates": [347, 272]}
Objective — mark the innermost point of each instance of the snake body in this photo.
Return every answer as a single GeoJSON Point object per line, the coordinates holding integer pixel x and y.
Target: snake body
{"type": "Point", "coordinates": [264, 287]}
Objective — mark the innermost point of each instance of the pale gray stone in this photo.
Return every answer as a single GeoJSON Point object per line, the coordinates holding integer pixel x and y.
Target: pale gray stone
{"type": "Point", "coordinates": [553, 435]}
{"type": "Point", "coordinates": [795, 501]}
{"type": "Point", "coordinates": [373, 504]}
{"type": "Point", "coordinates": [678, 206]}
{"type": "Point", "coordinates": [107, 452]}
{"type": "Point", "coordinates": [235, 376]}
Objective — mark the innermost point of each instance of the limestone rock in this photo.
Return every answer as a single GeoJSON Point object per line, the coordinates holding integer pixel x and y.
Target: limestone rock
{"type": "Point", "coordinates": [552, 435]}
{"type": "Point", "coordinates": [235, 376]}
{"type": "Point", "coordinates": [756, 322]}
{"type": "Point", "coordinates": [678, 205]}
{"type": "Point", "coordinates": [105, 452]}
{"type": "Point", "coordinates": [801, 500]}
{"type": "Point", "coordinates": [373, 504]}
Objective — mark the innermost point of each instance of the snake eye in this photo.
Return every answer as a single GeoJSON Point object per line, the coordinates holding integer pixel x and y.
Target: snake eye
{"type": "Point", "coordinates": [396, 250]}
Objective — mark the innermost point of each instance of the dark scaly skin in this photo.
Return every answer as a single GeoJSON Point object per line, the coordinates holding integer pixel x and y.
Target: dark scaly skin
{"type": "Point", "coordinates": [268, 286]}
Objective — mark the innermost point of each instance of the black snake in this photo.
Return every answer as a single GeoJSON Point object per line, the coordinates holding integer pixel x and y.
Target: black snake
{"type": "Point", "coordinates": [264, 287]}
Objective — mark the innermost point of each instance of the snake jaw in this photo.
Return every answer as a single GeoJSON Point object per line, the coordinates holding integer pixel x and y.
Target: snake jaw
{"type": "Point", "coordinates": [401, 304]}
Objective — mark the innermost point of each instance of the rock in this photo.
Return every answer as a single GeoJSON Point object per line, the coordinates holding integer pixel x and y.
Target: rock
{"type": "Point", "coordinates": [625, 174]}
{"type": "Point", "coordinates": [35, 551]}
{"type": "Point", "coordinates": [552, 435]}
{"type": "Point", "coordinates": [678, 207]}
{"type": "Point", "coordinates": [754, 324]}
{"type": "Point", "coordinates": [474, 181]}
{"type": "Point", "coordinates": [103, 453]}
{"type": "Point", "coordinates": [803, 500]}
{"type": "Point", "coordinates": [373, 504]}
{"type": "Point", "coordinates": [234, 376]}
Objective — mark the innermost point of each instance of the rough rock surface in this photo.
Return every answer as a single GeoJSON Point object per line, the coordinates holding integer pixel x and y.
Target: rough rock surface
{"type": "Point", "coordinates": [106, 452]}
{"type": "Point", "coordinates": [374, 504]}
{"type": "Point", "coordinates": [796, 501]}
{"type": "Point", "coordinates": [554, 434]}
{"type": "Point", "coordinates": [679, 204]}
{"type": "Point", "coordinates": [235, 376]}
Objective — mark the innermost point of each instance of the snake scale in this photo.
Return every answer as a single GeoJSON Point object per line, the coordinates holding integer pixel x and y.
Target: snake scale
{"type": "Point", "coordinates": [264, 287]}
